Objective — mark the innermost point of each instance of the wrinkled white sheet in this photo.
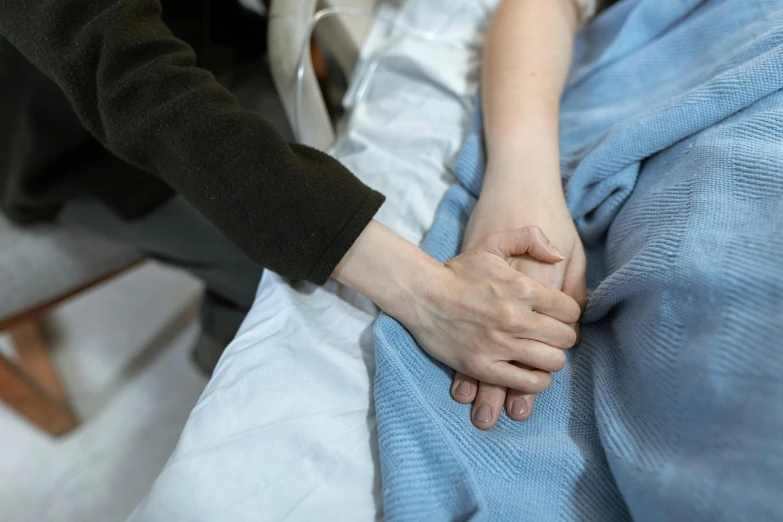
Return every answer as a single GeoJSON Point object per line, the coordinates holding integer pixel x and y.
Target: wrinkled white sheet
{"type": "Point", "coordinates": [285, 430]}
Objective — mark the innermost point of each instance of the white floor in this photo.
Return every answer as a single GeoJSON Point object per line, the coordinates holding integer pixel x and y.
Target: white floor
{"type": "Point", "coordinates": [123, 351]}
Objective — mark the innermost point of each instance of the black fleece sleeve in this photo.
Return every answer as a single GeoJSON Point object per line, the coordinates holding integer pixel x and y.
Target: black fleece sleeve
{"type": "Point", "coordinates": [135, 86]}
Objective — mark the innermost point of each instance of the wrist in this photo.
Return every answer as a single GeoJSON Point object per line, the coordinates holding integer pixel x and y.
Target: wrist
{"type": "Point", "coordinates": [521, 189]}
{"type": "Point", "coordinates": [524, 171]}
{"type": "Point", "coordinates": [411, 281]}
{"type": "Point", "coordinates": [389, 270]}
{"type": "Point", "coordinates": [520, 203]}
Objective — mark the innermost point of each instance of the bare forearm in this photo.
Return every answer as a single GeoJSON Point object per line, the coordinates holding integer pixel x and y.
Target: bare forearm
{"type": "Point", "coordinates": [385, 267]}
{"type": "Point", "coordinates": [526, 62]}
{"type": "Point", "coordinates": [528, 56]}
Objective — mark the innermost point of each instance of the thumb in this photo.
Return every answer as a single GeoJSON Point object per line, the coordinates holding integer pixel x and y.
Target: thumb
{"type": "Point", "coordinates": [529, 240]}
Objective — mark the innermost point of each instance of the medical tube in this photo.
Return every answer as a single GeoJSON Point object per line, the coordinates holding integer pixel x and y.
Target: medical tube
{"type": "Point", "coordinates": [304, 55]}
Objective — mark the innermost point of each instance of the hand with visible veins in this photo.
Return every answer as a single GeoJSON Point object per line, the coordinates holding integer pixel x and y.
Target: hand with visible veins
{"type": "Point", "coordinates": [569, 276]}
{"type": "Point", "coordinates": [475, 313]}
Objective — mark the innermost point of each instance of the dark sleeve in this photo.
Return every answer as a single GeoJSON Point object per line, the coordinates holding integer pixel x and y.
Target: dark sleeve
{"type": "Point", "coordinates": [291, 208]}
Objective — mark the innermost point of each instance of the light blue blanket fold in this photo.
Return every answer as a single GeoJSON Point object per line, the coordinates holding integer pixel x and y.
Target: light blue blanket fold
{"type": "Point", "coordinates": [672, 406]}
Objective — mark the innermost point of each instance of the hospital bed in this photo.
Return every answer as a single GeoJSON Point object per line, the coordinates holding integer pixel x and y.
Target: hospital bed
{"type": "Point", "coordinates": [285, 429]}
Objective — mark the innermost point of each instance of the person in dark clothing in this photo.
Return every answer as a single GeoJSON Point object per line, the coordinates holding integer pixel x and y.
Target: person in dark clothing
{"type": "Point", "coordinates": [51, 168]}
{"type": "Point", "coordinates": [160, 124]}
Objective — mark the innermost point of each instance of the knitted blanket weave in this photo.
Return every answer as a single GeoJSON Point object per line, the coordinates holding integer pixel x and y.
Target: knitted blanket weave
{"type": "Point", "coordinates": [671, 408]}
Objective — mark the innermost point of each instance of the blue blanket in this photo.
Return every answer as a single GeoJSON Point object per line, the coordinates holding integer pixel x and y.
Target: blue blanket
{"type": "Point", "coordinates": [672, 406]}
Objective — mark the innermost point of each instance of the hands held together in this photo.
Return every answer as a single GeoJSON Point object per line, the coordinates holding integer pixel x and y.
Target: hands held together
{"type": "Point", "coordinates": [505, 327]}
{"type": "Point", "coordinates": [501, 313]}
{"type": "Point", "coordinates": [508, 307]}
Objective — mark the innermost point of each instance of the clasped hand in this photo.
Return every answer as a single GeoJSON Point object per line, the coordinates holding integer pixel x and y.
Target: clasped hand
{"type": "Point", "coordinates": [506, 329]}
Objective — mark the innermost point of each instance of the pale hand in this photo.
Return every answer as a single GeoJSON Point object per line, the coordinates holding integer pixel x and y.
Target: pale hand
{"type": "Point", "coordinates": [569, 275]}
{"type": "Point", "coordinates": [485, 318]}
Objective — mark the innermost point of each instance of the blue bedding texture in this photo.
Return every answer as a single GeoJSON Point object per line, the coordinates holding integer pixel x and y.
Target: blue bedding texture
{"type": "Point", "coordinates": [671, 408]}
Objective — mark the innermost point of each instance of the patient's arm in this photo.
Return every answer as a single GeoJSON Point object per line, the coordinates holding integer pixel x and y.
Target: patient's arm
{"type": "Point", "coordinates": [526, 62]}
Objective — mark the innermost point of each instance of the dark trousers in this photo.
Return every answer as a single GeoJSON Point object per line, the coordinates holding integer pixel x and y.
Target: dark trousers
{"type": "Point", "coordinates": [178, 235]}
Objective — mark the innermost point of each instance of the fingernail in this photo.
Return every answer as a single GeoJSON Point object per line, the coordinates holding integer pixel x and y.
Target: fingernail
{"type": "Point", "coordinates": [463, 388]}
{"type": "Point", "coordinates": [556, 251]}
{"type": "Point", "coordinates": [518, 407]}
{"type": "Point", "coordinates": [483, 414]}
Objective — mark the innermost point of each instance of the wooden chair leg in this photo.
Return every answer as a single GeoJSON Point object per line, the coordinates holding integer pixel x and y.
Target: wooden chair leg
{"type": "Point", "coordinates": [33, 388]}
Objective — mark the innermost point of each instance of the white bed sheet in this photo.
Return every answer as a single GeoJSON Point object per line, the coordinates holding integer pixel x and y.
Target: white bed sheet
{"type": "Point", "coordinates": [285, 429]}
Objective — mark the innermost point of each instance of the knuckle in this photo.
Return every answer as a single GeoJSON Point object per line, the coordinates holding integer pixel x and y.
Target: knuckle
{"type": "Point", "coordinates": [558, 361]}
{"type": "Point", "coordinates": [535, 231]}
{"type": "Point", "coordinates": [469, 363]}
{"type": "Point", "coordinates": [492, 239]}
{"type": "Point", "coordinates": [574, 311]}
{"type": "Point", "coordinates": [514, 322]}
{"type": "Point", "coordinates": [570, 337]}
{"type": "Point", "coordinates": [526, 290]}
{"type": "Point", "coordinates": [534, 382]}
{"type": "Point", "coordinates": [498, 339]}
{"type": "Point", "coordinates": [475, 367]}
{"type": "Point", "coordinates": [529, 384]}
{"type": "Point", "coordinates": [527, 353]}
{"type": "Point", "coordinates": [544, 381]}
{"type": "Point", "coordinates": [506, 316]}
